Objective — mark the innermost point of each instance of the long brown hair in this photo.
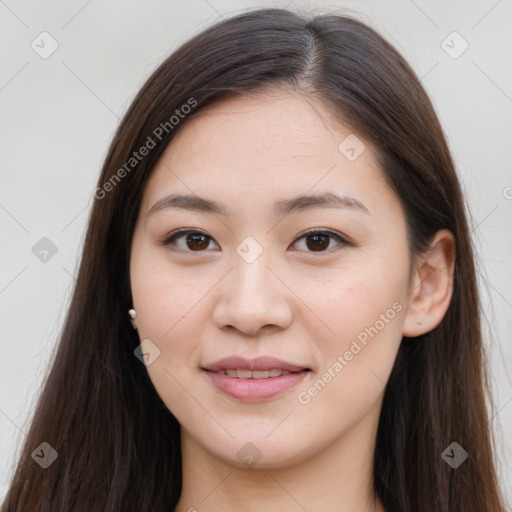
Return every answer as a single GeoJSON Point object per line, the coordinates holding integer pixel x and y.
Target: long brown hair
{"type": "Point", "coordinates": [118, 445]}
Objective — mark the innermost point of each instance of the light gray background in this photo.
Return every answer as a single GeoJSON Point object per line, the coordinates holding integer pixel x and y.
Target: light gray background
{"type": "Point", "coordinates": [59, 114]}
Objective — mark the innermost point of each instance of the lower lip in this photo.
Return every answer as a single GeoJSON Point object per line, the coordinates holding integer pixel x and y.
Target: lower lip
{"type": "Point", "coordinates": [254, 390]}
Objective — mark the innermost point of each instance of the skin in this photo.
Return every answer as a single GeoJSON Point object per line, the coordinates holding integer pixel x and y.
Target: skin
{"type": "Point", "coordinates": [294, 303]}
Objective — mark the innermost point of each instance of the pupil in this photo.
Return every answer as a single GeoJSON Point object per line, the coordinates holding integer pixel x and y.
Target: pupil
{"type": "Point", "coordinates": [197, 241]}
{"type": "Point", "coordinates": [319, 242]}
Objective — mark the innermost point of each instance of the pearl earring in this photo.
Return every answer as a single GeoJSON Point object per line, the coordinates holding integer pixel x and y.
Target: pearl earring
{"type": "Point", "coordinates": [133, 317]}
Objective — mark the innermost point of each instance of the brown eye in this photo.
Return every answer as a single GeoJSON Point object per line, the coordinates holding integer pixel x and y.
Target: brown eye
{"type": "Point", "coordinates": [197, 242]}
{"type": "Point", "coordinates": [320, 241]}
{"type": "Point", "coordinates": [189, 240]}
{"type": "Point", "coordinates": [317, 242]}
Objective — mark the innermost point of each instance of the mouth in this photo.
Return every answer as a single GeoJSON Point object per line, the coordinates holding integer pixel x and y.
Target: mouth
{"type": "Point", "coordinates": [254, 380]}
{"type": "Point", "coordinates": [255, 374]}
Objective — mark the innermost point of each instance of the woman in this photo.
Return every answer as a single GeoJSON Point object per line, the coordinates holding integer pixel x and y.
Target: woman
{"type": "Point", "coordinates": [276, 308]}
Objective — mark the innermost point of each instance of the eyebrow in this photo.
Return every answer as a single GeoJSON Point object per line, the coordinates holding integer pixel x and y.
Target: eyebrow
{"type": "Point", "coordinates": [281, 208]}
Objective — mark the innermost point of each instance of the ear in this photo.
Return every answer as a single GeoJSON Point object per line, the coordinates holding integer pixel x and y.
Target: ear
{"type": "Point", "coordinates": [431, 286]}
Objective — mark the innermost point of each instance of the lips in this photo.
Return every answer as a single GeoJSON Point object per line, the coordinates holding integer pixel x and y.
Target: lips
{"type": "Point", "coordinates": [240, 373]}
{"type": "Point", "coordinates": [262, 363]}
{"type": "Point", "coordinates": [254, 380]}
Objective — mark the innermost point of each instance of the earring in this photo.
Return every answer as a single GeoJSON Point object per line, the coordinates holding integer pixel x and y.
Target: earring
{"type": "Point", "coordinates": [133, 317]}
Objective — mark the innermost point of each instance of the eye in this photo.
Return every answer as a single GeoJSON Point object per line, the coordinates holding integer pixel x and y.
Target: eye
{"type": "Point", "coordinates": [320, 241]}
{"type": "Point", "coordinates": [192, 240]}
{"type": "Point", "coordinates": [189, 240]}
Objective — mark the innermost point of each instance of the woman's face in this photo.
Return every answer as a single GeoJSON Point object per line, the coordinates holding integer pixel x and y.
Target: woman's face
{"type": "Point", "coordinates": [268, 342]}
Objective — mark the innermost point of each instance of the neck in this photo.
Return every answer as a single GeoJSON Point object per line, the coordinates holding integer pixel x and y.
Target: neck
{"type": "Point", "coordinates": [339, 479]}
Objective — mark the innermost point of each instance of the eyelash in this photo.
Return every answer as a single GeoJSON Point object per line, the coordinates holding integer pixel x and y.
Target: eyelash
{"type": "Point", "coordinates": [169, 239]}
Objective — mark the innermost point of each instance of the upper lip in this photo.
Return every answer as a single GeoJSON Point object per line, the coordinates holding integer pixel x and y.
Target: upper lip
{"type": "Point", "coordinates": [258, 364]}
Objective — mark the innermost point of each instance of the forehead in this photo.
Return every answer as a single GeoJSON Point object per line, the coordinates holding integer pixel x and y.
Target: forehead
{"type": "Point", "coordinates": [263, 146]}
{"type": "Point", "coordinates": [276, 125]}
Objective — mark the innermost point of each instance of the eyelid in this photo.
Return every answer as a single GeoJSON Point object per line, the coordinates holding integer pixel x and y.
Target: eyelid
{"type": "Point", "coordinates": [168, 239]}
{"type": "Point", "coordinates": [343, 241]}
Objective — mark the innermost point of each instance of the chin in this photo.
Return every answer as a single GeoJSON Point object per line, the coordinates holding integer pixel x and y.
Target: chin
{"type": "Point", "coordinates": [260, 453]}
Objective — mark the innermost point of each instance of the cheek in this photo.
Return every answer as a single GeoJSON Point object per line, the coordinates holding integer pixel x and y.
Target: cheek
{"type": "Point", "coordinates": [172, 316]}
{"type": "Point", "coordinates": [351, 307]}
{"type": "Point", "coordinates": [356, 362]}
{"type": "Point", "coordinates": [363, 311]}
{"type": "Point", "coordinates": [169, 313]}
{"type": "Point", "coordinates": [165, 297]}
{"type": "Point", "coordinates": [175, 323]}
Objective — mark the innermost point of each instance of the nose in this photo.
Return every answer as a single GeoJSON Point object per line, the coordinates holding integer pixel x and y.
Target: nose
{"type": "Point", "coordinates": [253, 300]}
